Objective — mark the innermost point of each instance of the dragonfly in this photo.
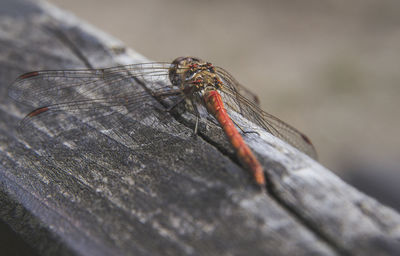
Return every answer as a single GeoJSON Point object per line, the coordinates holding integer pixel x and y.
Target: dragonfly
{"type": "Point", "coordinates": [198, 83]}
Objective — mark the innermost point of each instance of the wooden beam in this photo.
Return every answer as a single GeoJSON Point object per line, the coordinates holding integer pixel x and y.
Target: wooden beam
{"type": "Point", "coordinates": [142, 184]}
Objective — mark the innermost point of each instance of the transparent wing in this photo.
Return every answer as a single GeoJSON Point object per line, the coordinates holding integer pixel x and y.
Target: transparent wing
{"type": "Point", "coordinates": [98, 94]}
{"type": "Point", "coordinates": [233, 97]}
{"type": "Point", "coordinates": [234, 85]}
{"type": "Point", "coordinates": [42, 88]}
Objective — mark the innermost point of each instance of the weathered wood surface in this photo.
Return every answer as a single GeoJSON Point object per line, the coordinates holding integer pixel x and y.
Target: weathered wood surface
{"type": "Point", "coordinates": [166, 192]}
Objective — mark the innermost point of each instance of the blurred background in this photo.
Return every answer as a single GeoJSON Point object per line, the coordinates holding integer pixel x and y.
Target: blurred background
{"type": "Point", "coordinates": [330, 68]}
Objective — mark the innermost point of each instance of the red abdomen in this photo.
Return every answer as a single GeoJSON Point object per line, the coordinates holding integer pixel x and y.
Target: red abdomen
{"type": "Point", "coordinates": [215, 106]}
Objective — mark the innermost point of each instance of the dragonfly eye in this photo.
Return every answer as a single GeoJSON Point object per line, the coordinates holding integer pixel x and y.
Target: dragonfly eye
{"type": "Point", "coordinates": [175, 76]}
{"type": "Point", "coordinates": [178, 61]}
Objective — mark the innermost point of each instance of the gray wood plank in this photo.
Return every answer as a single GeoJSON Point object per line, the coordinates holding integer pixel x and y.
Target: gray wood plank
{"type": "Point", "coordinates": [147, 186]}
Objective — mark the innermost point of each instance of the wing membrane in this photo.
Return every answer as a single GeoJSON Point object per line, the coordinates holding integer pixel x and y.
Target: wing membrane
{"type": "Point", "coordinates": [249, 109]}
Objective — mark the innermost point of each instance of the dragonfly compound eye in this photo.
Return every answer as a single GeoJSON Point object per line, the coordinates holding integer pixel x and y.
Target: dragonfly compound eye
{"type": "Point", "coordinates": [180, 67]}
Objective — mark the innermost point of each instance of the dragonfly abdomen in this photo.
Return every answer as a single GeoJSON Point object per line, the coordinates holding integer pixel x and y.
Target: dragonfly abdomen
{"type": "Point", "coordinates": [216, 107]}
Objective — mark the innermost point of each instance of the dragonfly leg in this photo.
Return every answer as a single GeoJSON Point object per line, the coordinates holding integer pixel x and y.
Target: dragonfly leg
{"type": "Point", "coordinates": [170, 108]}
{"type": "Point", "coordinates": [242, 130]}
{"type": "Point", "coordinates": [237, 125]}
{"type": "Point", "coordinates": [196, 126]}
{"type": "Point", "coordinates": [197, 113]}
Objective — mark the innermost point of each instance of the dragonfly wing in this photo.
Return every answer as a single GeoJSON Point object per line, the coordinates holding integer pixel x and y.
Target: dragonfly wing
{"type": "Point", "coordinates": [234, 85]}
{"type": "Point", "coordinates": [98, 95]}
{"type": "Point", "coordinates": [42, 88]}
{"type": "Point", "coordinates": [251, 111]}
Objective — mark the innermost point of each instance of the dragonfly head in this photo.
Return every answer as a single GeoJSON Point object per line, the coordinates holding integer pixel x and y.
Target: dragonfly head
{"type": "Point", "coordinates": [193, 74]}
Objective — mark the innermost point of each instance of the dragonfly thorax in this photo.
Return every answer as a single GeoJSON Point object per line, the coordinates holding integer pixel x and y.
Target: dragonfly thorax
{"type": "Point", "coordinates": [193, 75]}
